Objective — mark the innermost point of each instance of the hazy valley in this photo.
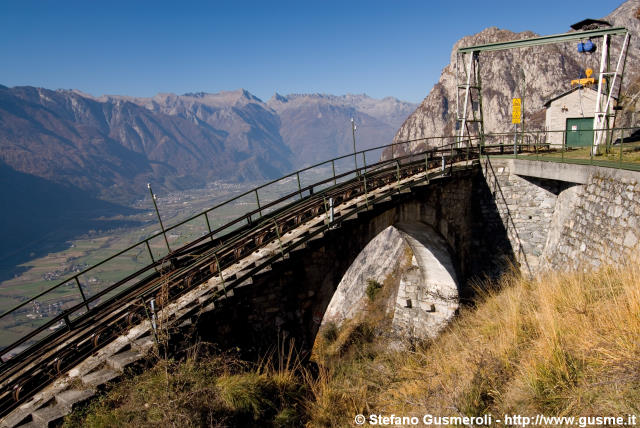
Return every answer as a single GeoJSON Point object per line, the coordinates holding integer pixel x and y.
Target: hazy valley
{"type": "Point", "coordinates": [68, 158]}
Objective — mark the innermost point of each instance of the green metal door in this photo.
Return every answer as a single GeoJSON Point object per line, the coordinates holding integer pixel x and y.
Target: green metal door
{"type": "Point", "coordinates": [580, 132]}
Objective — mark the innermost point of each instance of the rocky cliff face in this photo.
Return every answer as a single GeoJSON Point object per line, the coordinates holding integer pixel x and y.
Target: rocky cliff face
{"type": "Point", "coordinates": [628, 15]}
{"type": "Point", "coordinates": [547, 71]}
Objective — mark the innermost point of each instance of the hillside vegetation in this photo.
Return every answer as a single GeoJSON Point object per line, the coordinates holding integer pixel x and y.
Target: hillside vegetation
{"type": "Point", "coordinates": [561, 344]}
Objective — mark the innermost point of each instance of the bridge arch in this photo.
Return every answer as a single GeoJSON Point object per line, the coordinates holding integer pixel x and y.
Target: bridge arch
{"type": "Point", "coordinates": [422, 289]}
{"type": "Point", "coordinates": [289, 300]}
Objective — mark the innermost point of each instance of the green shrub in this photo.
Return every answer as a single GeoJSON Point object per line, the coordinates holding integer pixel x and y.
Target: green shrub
{"type": "Point", "coordinates": [330, 332]}
{"type": "Point", "coordinates": [373, 288]}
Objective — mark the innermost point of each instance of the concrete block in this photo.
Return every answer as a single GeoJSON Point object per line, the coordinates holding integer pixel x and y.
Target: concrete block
{"type": "Point", "coordinates": [49, 416]}
{"type": "Point", "coordinates": [31, 425]}
{"type": "Point", "coordinates": [20, 416]}
{"type": "Point", "coordinates": [100, 377]}
{"type": "Point", "coordinates": [74, 397]}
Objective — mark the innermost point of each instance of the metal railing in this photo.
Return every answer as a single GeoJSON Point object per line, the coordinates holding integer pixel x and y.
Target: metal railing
{"type": "Point", "coordinates": [78, 294]}
{"type": "Point", "coordinates": [621, 148]}
{"type": "Point", "coordinates": [81, 292]}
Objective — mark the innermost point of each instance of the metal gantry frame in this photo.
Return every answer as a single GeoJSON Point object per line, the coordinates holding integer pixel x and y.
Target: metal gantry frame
{"type": "Point", "coordinates": [471, 82]}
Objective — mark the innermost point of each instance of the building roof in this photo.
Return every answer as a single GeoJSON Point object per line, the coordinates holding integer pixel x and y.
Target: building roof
{"type": "Point", "coordinates": [590, 24]}
{"type": "Point", "coordinates": [548, 103]}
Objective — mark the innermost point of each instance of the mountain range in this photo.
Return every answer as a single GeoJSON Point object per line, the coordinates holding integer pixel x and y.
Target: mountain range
{"type": "Point", "coordinates": [67, 157]}
{"type": "Point", "coordinates": [112, 145]}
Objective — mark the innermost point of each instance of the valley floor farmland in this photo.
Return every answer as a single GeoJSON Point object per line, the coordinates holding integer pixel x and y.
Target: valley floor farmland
{"type": "Point", "coordinates": [44, 272]}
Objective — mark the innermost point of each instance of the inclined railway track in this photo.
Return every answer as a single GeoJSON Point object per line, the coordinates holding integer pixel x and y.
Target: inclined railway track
{"type": "Point", "coordinates": [183, 269]}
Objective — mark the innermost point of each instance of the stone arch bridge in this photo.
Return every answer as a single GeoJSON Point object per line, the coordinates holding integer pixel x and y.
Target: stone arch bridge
{"type": "Point", "coordinates": [274, 276]}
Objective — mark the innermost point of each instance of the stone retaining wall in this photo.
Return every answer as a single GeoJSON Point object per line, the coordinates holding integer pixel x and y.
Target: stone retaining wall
{"type": "Point", "coordinates": [602, 225]}
{"type": "Point", "coordinates": [556, 224]}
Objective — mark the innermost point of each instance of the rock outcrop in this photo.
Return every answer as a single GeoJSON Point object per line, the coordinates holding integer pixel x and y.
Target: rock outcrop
{"type": "Point", "coordinates": [547, 72]}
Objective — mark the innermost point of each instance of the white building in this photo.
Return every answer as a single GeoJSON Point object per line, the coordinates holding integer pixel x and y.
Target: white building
{"type": "Point", "coordinates": [572, 112]}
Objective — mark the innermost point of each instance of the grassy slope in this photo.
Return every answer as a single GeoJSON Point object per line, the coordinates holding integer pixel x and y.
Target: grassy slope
{"type": "Point", "coordinates": [563, 344]}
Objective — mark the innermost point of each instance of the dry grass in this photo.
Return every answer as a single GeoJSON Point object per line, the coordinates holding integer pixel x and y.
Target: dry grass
{"type": "Point", "coordinates": [212, 391]}
{"type": "Point", "coordinates": [561, 344]}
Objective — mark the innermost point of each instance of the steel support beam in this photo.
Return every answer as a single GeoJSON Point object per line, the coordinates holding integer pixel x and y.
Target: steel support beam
{"type": "Point", "coordinates": [544, 40]}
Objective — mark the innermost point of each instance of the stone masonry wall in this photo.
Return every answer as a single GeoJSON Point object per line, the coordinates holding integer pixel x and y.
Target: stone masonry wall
{"type": "Point", "coordinates": [427, 296]}
{"type": "Point", "coordinates": [526, 207]}
{"type": "Point", "coordinates": [603, 224]}
{"type": "Point", "coordinates": [376, 261]}
{"type": "Point", "coordinates": [560, 225]}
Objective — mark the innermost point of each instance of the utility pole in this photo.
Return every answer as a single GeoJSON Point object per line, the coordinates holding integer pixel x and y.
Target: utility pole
{"type": "Point", "coordinates": [155, 205]}
{"type": "Point", "coordinates": [353, 134]}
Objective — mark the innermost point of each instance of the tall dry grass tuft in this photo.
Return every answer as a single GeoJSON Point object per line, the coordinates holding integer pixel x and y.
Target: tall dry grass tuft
{"type": "Point", "coordinates": [206, 390]}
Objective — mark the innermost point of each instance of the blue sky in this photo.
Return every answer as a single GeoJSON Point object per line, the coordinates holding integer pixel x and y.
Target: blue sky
{"type": "Point", "coordinates": [140, 48]}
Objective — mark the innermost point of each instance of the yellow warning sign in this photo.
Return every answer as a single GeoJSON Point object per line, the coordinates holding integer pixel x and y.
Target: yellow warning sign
{"type": "Point", "coordinates": [516, 112]}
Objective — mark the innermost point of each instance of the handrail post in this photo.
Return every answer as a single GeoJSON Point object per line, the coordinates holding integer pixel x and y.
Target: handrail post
{"type": "Point", "coordinates": [258, 199]}
{"type": "Point", "coordinates": [468, 146]}
{"type": "Point", "coordinates": [67, 321]}
{"type": "Point", "coordinates": [153, 198]}
{"type": "Point", "coordinates": [426, 166]}
{"type": "Point", "coordinates": [353, 133]}
{"type": "Point", "coordinates": [364, 161]}
{"type": "Point", "coordinates": [366, 193]}
{"type": "Point", "coordinates": [84, 299]}
{"type": "Point", "coordinates": [621, 144]}
{"type": "Point", "coordinates": [206, 217]}
{"type": "Point", "coordinates": [330, 212]}
{"type": "Point", "coordinates": [398, 169]}
{"type": "Point", "coordinates": [279, 240]}
{"type": "Point", "coordinates": [224, 286]}
{"type": "Point", "coordinates": [299, 187]}
{"type": "Point", "coordinates": [153, 260]}
{"type": "Point", "coordinates": [333, 168]}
